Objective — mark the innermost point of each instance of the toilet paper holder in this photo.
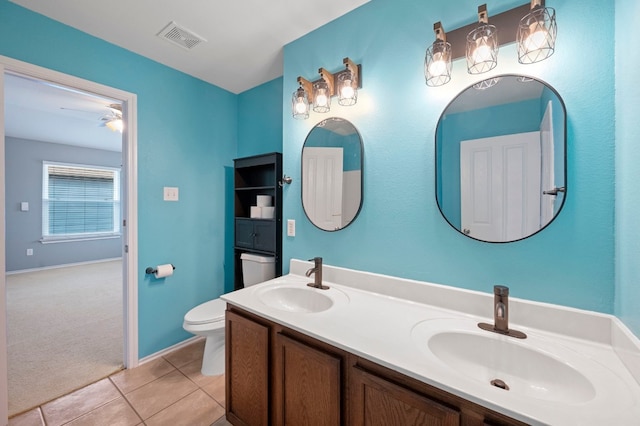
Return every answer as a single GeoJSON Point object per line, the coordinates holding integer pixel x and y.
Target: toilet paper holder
{"type": "Point", "coordinates": [152, 270]}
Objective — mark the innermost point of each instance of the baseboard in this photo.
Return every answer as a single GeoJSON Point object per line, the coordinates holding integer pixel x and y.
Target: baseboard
{"type": "Point", "coordinates": [65, 265]}
{"type": "Point", "coordinates": [169, 349]}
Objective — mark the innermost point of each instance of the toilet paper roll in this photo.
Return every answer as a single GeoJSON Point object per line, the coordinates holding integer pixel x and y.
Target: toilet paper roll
{"type": "Point", "coordinates": [256, 212]}
{"type": "Point", "coordinates": [268, 212]}
{"type": "Point", "coordinates": [263, 200]}
{"type": "Point", "coordinates": [164, 270]}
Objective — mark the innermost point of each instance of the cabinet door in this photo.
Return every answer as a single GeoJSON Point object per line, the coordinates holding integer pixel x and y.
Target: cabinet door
{"type": "Point", "coordinates": [307, 385]}
{"type": "Point", "coordinates": [244, 233]}
{"type": "Point", "coordinates": [378, 402]}
{"type": "Point", "coordinates": [264, 236]}
{"type": "Point", "coordinates": [247, 371]}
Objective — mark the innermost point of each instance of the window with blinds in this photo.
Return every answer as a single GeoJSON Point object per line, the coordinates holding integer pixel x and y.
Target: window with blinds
{"type": "Point", "coordinates": [80, 201]}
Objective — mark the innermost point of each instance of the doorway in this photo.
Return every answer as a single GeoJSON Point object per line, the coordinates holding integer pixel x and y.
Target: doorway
{"type": "Point", "coordinates": [128, 208]}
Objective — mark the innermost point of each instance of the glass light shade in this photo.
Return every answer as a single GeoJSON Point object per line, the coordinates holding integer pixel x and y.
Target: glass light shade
{"type": "Point", "coordinates": [536, 38]}
{"type": "Point", "coordinates": [300, 104]}
{"type": "Point", "coordinates": [115, 125]}
{"type": "Point", "coordinates": [321, 97]}
{"type": "Point", "coordinates": [437, 64]}
{"type": "Point", "coordinates": [482, 49]}
{"type": "Point", "coordinates": [347, 92]}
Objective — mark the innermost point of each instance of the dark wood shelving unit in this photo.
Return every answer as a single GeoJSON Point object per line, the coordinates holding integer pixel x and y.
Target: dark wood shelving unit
{"type": "Point", "coordinates": [253, 176]}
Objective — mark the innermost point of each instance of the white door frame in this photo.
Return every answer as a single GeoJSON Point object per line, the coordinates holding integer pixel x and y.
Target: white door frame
{"type": "Point", "coordinates": [547, 201]}
{"type": "Point", "coordinates": [130, 210]}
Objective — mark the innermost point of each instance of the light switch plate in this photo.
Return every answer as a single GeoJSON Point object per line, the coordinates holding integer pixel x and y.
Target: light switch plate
{"type": "Point", "coordinates": [170, 193]}
{"type": "Point", "coordinates": [24, 206]}
{"type": "Point", "coordinates": [291, 228]}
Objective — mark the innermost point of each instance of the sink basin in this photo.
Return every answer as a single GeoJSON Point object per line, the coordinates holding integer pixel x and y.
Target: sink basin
{"type": "Point", "coordinates": [532, 368]}
{"type": "Point", "coordinates": [529, 372]}
{"type": "Point", "coordinates": [300, 298]}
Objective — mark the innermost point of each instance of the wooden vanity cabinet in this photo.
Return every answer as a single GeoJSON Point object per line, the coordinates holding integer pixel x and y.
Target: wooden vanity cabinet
{"type": "Point", "coordinates": [278, 376]}
{"type": "Point", "coordinates": [376, 401]}
{"type": "Point", "coordinates": [307, 384]}
{"type": "Point", "coordinates": [247, 370]}
{"type": "Point", "coordinates": [381, 396]}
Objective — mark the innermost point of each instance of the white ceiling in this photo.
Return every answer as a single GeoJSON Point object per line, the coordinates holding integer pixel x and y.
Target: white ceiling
{"type": "Point", "coordinates": [244, 37]}
{"type": "Point", "coordinates": [46, 112]}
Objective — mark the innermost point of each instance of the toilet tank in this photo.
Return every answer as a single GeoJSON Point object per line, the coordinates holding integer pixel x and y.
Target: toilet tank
{"type": "Point", "coordinates": [257, 268]}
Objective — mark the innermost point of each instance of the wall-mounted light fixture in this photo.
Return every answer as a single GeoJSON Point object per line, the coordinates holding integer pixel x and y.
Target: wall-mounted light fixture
{"type": "Point", "coordinates": [482, 45]}
{"type": "Point", "coordinates": [537, 33]}
{"type": "Point", "coordinates": [437, 62]}
{"type": "Point", "coordinates": [300, 100]}
{"type": "Point", "coordinates": [344, 84]}
{"type": "Point", "coordinates": [532, 25]}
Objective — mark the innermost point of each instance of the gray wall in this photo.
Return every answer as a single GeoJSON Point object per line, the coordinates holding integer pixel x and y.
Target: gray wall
{"type": "Point", "coordinates": [23, 173]}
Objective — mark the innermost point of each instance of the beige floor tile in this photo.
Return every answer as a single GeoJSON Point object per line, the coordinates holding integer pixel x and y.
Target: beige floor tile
{"type": "Point", "coordinates": [222, 421]}
{"type": "Point", "coordinates": [128, 380]}
{"type": "Point", "coordinates": [216, 389]}
{"type": "Point", "coordinates": [115, 413]}
{"type": "Point", "coordinates": [159, 394]}
{"type": "Point", "coordinates": [75, 404]}
{"type": "Point", "coordinates": [184, 356]}
{"type": "Point", "coordinates": [29, 418]}
{"type": "Point", "coordinates": [196, 409]}
{"type": "Point", "coordinates": [192, 371]}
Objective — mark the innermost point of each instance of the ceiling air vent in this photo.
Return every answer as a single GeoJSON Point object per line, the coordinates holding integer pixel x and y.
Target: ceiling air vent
{"type": "Point", "coordinates": [180, 36]}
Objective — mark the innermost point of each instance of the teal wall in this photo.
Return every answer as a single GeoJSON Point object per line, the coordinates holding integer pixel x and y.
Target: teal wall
{"type": "Point", "coordinates": [627, 165]}
{"type": "Point", "coordinates": [260, 119]}
{"type": "Point", "coordinates": [400, 230]}
{"type": "Point", "coordinates": [187, 137]}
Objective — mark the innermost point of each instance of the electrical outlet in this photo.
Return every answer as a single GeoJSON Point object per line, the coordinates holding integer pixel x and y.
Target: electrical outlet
{"type": "Point", "coordinates": [170, 193]}
{"type": "Point", "coordinates": [291, 228]}
{"type": "Point", "coordinates": [29, 252]}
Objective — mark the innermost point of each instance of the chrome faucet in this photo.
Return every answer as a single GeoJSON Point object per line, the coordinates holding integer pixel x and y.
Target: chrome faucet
{"type": "Point", "coordinates": [501, 314]}
{"type": "Point", "coordinates": [317, 270]}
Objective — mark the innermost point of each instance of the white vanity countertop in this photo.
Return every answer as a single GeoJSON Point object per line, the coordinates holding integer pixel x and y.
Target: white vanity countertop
{"type": "Point", "coordinates": [373, 317]}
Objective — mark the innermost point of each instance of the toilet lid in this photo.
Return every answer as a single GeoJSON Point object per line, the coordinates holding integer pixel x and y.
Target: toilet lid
{"type": "Point", "coordinates": [211, 311]}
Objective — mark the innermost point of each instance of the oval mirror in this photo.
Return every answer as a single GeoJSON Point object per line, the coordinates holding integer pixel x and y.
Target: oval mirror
{"type": "Point", "coordinates": [332, 174]}
{"type": "Point", "coordinates": [501, 159]}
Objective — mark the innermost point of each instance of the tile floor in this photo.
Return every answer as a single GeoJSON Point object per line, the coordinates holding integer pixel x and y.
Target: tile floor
{"type": "Point", "coordinates": [166, 391]}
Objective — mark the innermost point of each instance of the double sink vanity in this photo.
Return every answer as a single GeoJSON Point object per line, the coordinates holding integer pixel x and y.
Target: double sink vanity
{"type": "Point", "coordinates": [374, 349]}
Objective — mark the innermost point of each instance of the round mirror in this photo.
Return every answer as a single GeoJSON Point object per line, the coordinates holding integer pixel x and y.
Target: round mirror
{"type": "Point", "coordinates": [501, 159]}
{"type": "Point", "coordinates": [332, 174]}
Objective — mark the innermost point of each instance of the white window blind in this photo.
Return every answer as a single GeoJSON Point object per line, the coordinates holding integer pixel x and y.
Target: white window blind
{"type": "Point", "coordinates": [80, 201]}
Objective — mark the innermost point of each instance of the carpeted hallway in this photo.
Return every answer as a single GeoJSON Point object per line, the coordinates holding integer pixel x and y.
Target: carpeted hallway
{"type": "Point", "coordinates": [64, 330]}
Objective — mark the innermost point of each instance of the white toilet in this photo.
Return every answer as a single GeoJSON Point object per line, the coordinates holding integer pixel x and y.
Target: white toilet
{"type": "Point", "coordinates": [207, 319]}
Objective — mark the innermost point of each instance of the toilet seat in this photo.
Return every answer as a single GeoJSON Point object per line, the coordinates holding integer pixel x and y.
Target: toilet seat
{"type": "Point", "coordinates": [206, 313]}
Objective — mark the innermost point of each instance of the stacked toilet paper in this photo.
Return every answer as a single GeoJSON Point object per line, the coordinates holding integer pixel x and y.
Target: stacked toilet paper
{"type": "Point", "coordinates": [264, 207]}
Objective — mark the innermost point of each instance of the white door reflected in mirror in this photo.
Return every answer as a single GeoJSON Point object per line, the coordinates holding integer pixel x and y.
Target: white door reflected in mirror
{"type": "Point", "coordinates": [322, 186]}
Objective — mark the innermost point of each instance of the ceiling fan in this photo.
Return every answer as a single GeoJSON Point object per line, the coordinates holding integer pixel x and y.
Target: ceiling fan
{"type": "Point", "coordinates": [113, 119]}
